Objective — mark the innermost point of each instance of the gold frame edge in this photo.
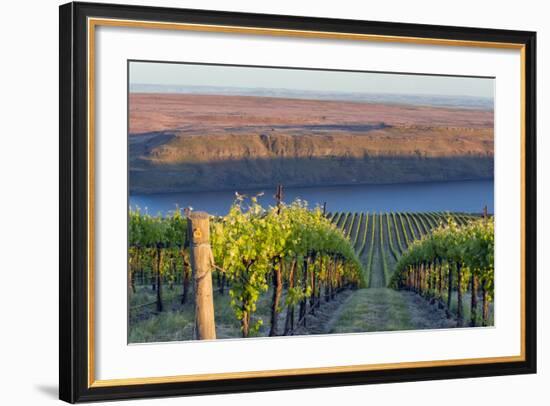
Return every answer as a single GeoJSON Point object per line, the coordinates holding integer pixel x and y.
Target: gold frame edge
{"type": "Point", "coordinates": [91, 25]}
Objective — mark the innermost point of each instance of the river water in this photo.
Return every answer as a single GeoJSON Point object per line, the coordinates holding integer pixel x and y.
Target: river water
{"type": "Point", "coordinates": [461, 196]}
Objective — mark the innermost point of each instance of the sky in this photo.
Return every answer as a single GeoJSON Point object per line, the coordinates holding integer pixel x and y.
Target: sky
{"type": "Point", "coordinates": [180, 74]}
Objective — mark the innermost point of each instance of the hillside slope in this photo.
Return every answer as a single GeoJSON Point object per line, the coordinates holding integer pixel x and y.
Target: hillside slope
{"type": "Point", "coordinates": [190, 142]}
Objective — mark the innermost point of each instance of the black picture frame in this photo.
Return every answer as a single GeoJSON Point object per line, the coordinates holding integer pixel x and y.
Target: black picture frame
{"type": "Point", "coordinates": [74, 384]}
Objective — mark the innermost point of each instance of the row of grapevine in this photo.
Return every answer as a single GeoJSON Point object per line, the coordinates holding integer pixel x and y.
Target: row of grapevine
{"type": "Point", "coordinates": [291, 249]}
{"type": "Point", "coordinates": [452, 258]}
{"type": "Point", "coordinates": [157, 252]}
{"type": "Point", "coordinates": [298, 246]}
{"type": "Point", "coordinates": [403, 229]}
{"type": "Point", "coordinates": [356, 233]}
{"type": "Point", "coordinates": [343, 220]}
{"type": "Point", "coordinates": [421, 231]}
{"type": "Point", "coordinates": [425, 222]}
{"type": "Point", "coordinates": [351, 227]}
{"type": "Point", "coordinates": [370, 255]}
{"type": "Point", "coordinates": [364, 237]}
{"type": "Point", "coordinates": [401, 243]}
{"type": "Point", "coordinates": [395, 252]}
{"type": "Point", "coordinates": [415, 234]}
{"type": "Point", "coordinates": [348, 232]}
{"type": "Point", "coordinates": [385, 267]}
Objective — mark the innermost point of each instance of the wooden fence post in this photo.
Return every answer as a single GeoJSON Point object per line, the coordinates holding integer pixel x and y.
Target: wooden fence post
{"type": "Point", "coordinates": [279, 197]}
{"type": "Point", "coordinates": [201, 264]}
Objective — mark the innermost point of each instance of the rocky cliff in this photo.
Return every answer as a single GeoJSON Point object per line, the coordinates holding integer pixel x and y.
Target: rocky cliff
{"type": "Point", "coordinates": [246, 142]}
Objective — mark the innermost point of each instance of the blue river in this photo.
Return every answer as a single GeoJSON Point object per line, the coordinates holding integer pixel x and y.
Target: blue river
{"type": "Point", "coordinates": [462, 196]}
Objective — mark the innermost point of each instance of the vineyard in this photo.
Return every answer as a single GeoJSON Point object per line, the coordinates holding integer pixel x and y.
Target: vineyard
{"type": "Point", "coordinates": [289, 270]}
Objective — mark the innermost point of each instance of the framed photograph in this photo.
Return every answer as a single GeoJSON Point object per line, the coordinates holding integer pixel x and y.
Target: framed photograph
{"type": "Point", "coordinates": [258, 202]}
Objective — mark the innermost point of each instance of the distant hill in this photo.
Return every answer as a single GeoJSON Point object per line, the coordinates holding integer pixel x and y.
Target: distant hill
{"type": "Point", "coordinates": [182, 142]}
{"type": "Point", "coordinates": [470, 102]}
